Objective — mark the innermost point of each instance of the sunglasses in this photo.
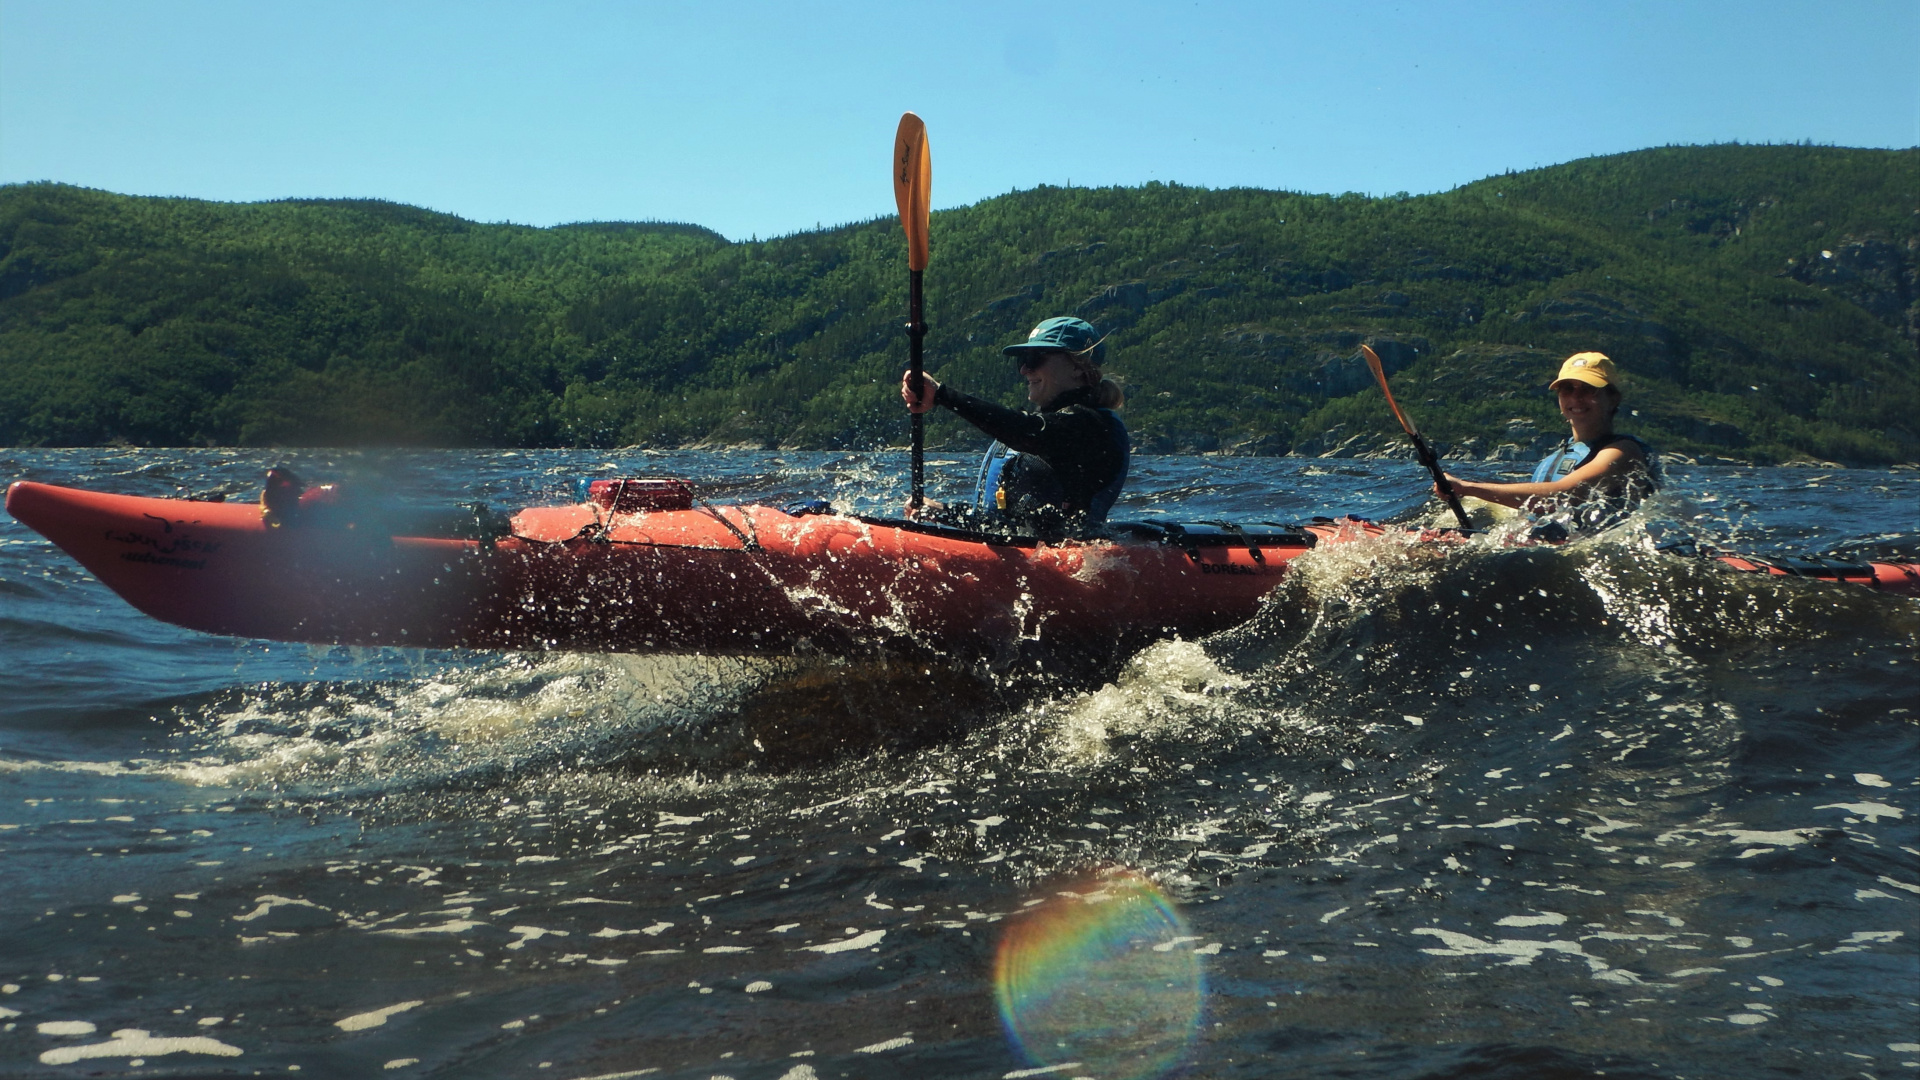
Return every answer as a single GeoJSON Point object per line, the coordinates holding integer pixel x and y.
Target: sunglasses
{"type": "Point", "coordinates": [1034, 361]}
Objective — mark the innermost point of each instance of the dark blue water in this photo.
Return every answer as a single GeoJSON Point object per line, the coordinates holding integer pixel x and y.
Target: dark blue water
{"type": "Point", "coordinates": [1493, 811]}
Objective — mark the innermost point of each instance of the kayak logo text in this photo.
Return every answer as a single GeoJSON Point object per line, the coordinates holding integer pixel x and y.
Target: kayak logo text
{"type": "Point", "coordinates": [164, 552]}
{"type": "Point", "coordinates": [1226, 568]}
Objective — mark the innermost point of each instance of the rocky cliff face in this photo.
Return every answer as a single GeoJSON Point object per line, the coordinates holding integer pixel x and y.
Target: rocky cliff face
{"type": "Point", "coordinates": [1882, 276]}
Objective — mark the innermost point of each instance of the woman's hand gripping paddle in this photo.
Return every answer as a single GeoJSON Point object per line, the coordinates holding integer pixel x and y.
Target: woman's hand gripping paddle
{"type": "Point", "coordinates": [912, 191]}
{"type": "Point", "coordinates": [1420, 447]}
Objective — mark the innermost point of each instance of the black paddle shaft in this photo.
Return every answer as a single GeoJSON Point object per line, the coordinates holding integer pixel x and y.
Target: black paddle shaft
{"type": "Point", "coordinates": [916, 336]}
{"type": "Point", "coordinates": [1432, 462]}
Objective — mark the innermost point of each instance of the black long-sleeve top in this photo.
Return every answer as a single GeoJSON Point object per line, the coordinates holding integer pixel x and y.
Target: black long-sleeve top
{"type": "Point", "coordinates": [1069, 433]}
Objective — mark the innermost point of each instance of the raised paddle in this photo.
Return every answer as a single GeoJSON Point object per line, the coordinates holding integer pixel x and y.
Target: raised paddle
{"type": "Point", "coordinates": [912, 191]}
{"type": "Point", "coordinates": [1420, 447]}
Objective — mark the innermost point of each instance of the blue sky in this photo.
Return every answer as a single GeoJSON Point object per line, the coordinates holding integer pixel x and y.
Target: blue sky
{"type": "Point", "coordinates": [769, 118]}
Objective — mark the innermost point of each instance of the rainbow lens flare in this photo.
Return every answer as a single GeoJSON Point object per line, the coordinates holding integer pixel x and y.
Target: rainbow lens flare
{"type": "Point", "coordinates": [1103, 976]}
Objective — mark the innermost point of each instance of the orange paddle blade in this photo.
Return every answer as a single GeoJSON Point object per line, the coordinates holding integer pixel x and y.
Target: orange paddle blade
{"type": "Point", "coordinates": [1380, 376]}
{"type": "Point", "coordinates": [913, 186]}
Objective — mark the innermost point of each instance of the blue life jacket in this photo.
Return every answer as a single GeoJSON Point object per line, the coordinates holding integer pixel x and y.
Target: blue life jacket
{"type": "Point", "coordinates": [988, 493]}
{"type": "Point", "coordinates": [1572, 454]}
{"type": "Point", "coordinates": [1604, 510]}
{"type": "Point", "coordinates": [1000, 468]}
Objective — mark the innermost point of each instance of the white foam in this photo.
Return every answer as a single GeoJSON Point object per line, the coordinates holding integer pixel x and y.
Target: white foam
{"type": "Point", "coordinates": [1869, 779]}
{"type": "Point", "coordinates": [862, 941]}
{"type": "Point", "coordinates": [1169, 689]}
{"type": "Point", "coordinates": [64, 1027]}
{"type": "Point", "coordinates": [455, 926]}
{"type": "Point", "coordinates": [759, 986]}
{"type": "Point", "coordinates": [1503, 823]}
{"type": "Point", "coordinates": [883, 1047]}
{"type": "Point", "coordinates": [1788, 838]}
{"type": "Point", "coordinates": [1549, 918]}
{"type": "Point", "coordinates": [1523, 952]}
{"type": "Point", "coordinates": [374, 1019]}
{"type": "Point", "coordinates": [1658, 914]}
{"type": "Point", "coordinates": [268, 903]}
{"type": "Point", "coordinates": [534, 933]}
{"type": "Point", "coordinates": [133, 1042]}
{"type": "Point", "coordinates": [1872, 811]}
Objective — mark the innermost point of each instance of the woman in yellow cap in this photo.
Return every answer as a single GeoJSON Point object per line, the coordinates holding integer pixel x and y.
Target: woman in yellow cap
{"type": "Point", "coordinates": [1596, 465]}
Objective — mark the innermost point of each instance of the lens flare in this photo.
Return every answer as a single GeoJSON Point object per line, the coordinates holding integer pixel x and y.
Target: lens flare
{"type": "Point", "coordinates": [1103, 976]}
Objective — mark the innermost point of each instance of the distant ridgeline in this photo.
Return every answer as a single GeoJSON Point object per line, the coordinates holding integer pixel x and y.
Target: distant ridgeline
{"type": "Point", "coordinates": [1763, 300]}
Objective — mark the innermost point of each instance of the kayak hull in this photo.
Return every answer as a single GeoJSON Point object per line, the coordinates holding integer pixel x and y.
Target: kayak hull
{"type": "Point", "coordinates": [723, 580]}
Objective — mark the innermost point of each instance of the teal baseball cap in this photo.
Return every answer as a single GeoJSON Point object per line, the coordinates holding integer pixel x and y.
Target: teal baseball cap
{"type": "Point", "coordinates": [1064, 333]}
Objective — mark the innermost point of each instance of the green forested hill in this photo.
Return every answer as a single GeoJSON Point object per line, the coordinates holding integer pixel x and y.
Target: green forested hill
{"type": "Point", "coordinates": [1764, 301]}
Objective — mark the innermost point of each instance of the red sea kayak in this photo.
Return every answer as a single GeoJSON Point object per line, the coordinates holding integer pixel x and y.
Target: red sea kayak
{"type": "Point", "coordinates": [604, 576]}
{"type": "Point", "coordinates": [717, 580]}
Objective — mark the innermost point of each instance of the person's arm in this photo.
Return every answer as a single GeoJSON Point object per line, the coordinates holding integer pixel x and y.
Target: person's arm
{"type": "Point", "coordinates": [1611, 461]}
{"type": "Point", "coordinates": [1040, 433]}
{"type": "Point", "coordinates": [1044, 434]}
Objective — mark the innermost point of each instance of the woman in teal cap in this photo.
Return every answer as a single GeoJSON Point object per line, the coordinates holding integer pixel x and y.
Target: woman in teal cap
{"type": "Point", "coordinates": [1056, 471]}
{"type": "Point", "coordinates": [1606, 473]}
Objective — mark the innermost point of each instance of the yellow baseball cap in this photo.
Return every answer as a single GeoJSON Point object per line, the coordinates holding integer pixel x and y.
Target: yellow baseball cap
{"type": "Point", "coordinates": [1591, 368]}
